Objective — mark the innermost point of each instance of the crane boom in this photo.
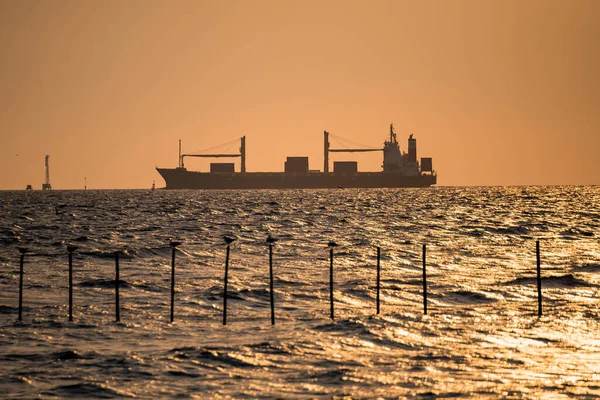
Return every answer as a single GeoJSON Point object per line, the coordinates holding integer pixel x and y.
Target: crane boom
{"type": "Point", "coordinates": [211, 155]}
{"type": "Point", "coordinates": [352, 150]}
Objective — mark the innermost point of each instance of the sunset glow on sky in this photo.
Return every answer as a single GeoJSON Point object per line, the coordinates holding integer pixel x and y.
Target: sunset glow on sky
{"type": "Point", "coordinates": [497, 92]}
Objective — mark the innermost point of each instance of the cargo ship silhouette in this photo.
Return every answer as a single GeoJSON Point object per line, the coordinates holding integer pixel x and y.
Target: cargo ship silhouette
{"type": "Point", "coordinates": [398, 170]}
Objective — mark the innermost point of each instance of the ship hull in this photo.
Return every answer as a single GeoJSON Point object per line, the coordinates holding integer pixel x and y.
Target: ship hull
{"type": "Point", "coordinates": [181, 178]}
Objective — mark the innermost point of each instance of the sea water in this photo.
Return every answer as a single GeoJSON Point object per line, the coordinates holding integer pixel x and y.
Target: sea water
{"type": "Point", "coordinates": [481, 337]}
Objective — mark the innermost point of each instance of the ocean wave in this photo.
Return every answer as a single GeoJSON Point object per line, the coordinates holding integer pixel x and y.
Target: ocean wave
{"type": "Point", "coordinates": [568, 280]}
{"type": "Point", "coordinates": [571, 232]}
{"type": "Point", "coordinates": [7, 309]}
{"type": "Point", "coordinates": [274, 348]}
{"type": "Point", "coordinates": [216, 357]}
{"type": "Point", "coordinates": [467, 297]}
{"type": "Point", "coordinates": [86, 390]}
{"type": "Point", "coordinates": [103, 283]}
{"type": "Point", "coordinates": [587, 268]}
{"type": "Point", "coordinates": [511, 230]}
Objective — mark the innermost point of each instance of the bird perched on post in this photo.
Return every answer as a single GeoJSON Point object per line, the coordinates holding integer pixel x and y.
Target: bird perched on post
{"type": "Point", "coordinates": [173, 243]}
{"type": "Point", "coordinates": [228, 239]}
{"type": "Point", "coordinates": [271, 239]}
{"type": "Point", "coordinates": [22, 250]}
{"type": "Point", "coordinates": [331, 243]}
{"type": "Point", "coordinates": [71, 248]}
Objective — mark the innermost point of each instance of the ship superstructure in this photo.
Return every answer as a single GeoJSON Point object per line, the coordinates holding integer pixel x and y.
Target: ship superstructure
{"type": "Point", "coordinates": [395, 161]}
{"type": "Point", "coordinates": [398, 170]}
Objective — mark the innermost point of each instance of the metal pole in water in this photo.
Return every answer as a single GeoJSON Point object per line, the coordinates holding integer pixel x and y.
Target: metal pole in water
{"type": "Point", "coordinates": [378, 275]}
{"type": "Point", "coordinates": [22, 250]}
{"type": "Point", "coordinates": [331, 245]}
{"type": "Point", "coordinates": [271, 283]}
{"type": "Point", "coordinates": [539, 277]}
{"type": "Point", "coordinates": [117, 305]}
{"type": "Point", "coordinates": [425, 279]}
{"type": "Point", "coordinates": [271, 240]}
{"type": "Point", "coordinates": [228, 240]}
{"type": "Point", "coordinates": [225, 287]}
{"type": "Point", "coordinates": [173, 250]}
{"type": "Point", "coordinates": [70, 250]}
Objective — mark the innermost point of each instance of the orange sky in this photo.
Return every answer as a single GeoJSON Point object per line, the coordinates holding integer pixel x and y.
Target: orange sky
{"type": "Point", "coordinates": [497, 92]}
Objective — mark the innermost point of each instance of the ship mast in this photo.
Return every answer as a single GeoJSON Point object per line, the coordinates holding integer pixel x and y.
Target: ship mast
{"type": "Point", "coordinates": [180, 157]}
{"type": "Point", "coordinates": [393, 138]}
{"type": "Point", "coordinates": [326, 151]}
{"type": "Point", "coordinates": [243, 154]}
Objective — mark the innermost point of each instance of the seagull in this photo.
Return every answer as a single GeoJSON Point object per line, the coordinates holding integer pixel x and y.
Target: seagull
{"type": "Point", "coordinates": [228, 239]}
{"type": "Point", "coordinates": [331, 243]}
{"type": "Point", "coordinates": [271, 239]}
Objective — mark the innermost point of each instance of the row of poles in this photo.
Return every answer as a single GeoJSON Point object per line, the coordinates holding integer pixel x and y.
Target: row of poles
{"type": "Point", "coordinates": [270, 241]}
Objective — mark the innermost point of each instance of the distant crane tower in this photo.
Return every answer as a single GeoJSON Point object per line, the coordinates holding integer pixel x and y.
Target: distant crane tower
{"type": "Point", "coordinates": [47, 186]}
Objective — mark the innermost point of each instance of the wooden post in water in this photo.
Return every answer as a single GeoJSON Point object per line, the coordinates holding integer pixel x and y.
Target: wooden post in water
{"type": "Point", "coordinates": [271, 241]}
{"type": "Point", "coordinates": [117, 305]}
{"type": "Point", "coordinates": [425, 279]}
{"type": "Point", "coordinates": [70, 250]}
{"type": "Point", "coordinates": [331, 245]}
{"type": "Point", "coordinates": [173, 250]}
{"type": "Point", "coordinates": [22, 250]}
{"type": "Point", "coordinates": [539, 278]}
{"type": "Point", "coordinates": [228, 240]}
{"type": "Point", "coordinates": [378, 275]}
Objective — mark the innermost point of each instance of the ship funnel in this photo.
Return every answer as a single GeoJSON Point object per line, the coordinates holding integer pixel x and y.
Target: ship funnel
{"type": "Point", "coordinates": [412, 149]}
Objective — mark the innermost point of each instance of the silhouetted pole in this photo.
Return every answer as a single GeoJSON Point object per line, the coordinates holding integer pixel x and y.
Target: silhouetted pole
{"type": "Point", "coordinates": [425, 279]}
{"type": "Point", "coordinates": [117, 306]}
{"type": "Point", "coordinates": [271, 283]}
{"type": "Point", "coordinates": [271, 241]}
{"type": "Point", "coordinates": [539, 277]}
{"type": "Point", "coordinates": [227, 240]}
{"type": "Point", "coordinates": [331, 245]}
{"type": "Point", "coordinates": [378, 275]}
{"type": "Point", "coordinates": [70, 250]}
{"type": "Point", "coordinates": [22, 250]}
{"type": "Point", "coordinates": [173, 250]}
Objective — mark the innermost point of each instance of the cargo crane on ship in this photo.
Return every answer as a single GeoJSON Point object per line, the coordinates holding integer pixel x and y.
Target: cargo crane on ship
{"type": "Point", "coordinates": [341, 166]}
{"type": "Point", "coordinates": [219, 167]}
